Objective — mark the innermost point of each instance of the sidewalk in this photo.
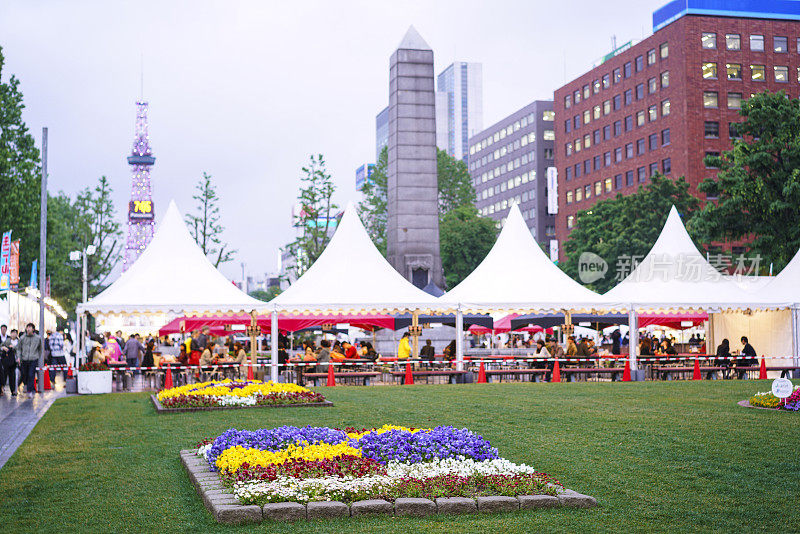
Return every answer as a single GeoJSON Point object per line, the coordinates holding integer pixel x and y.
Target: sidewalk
{"type": "Point", "coordinates": [18, 416]}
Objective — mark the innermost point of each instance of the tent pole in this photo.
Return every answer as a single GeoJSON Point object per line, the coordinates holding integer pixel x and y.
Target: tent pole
{"type": "Point", "coordinates": [795, 316]}
{"type": "Point", "coordinates": [275, 335]}
{"type": "Point", "coordinates": [633, 336]}
{"type": "Point", "coordinates": [253, 340]}
{"type": "Point", "coordinates": [415, 332]}
{"type": "Point", "coordinates": [459, 339]}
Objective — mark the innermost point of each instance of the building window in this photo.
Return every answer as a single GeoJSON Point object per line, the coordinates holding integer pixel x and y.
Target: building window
{"type": "Point", "coordinates": [757, 73]}
{"type": "Point", "coordinates": [569, 197]}
{"type": "Point", "coordinates": [587, 116]}
{"type": "Point", "coordinates": [798, 45]}
{"type": "Point", "coordinates": [548, 153]}
{"type": "Point", "coordinates": [734, 71]}
{"type": "Point", "coordinates": [617, 75]}
{"type": "Point", "coordinates": [578, 194]}
{"type": "Point", "coordinates": [757, 43]}
{"type": "Point", "coordinates": [640, 91]}
{"type": "Point", "coordinates": [598, 188]}
{"type": "Point", "coordinates": [652, 113]}
{"type": "Point", "coordinates": [606, 132]}
{"type": "Point", "coordinates": [781, 74]}
{"type": "Point", "coordinates": [653, 141]}
{"type": "Point", "coordinates": [596, 86]}
{"type": "Point", "coordinates": [639, 63]}
{"type": "Point", "coordinates": [628, 97]}
{"type": "Point", "coordinates": [587, 191]}
{"type": "Point", "coordinates": [734, 100]}
{"type": "Point", "coordinates": [664, 49]}
{"type": "Point", "coordinates": [665, 137]}
{"type": "Point", "coordinates": [733, 130]}
{"type": "Point", "coordinates": [596, 112]}
{"type": "Point", "coordinates": [587, 141]}
{"type": "Point", "coordinates": [780, 44]}
{"type": "Point", "coordinates": [606, 81]}
{"type": "Point", "coordinates": [653, 169]}
{"type": "Point", "coordinates": [548, 135]}
{"type": "Point", "coordinates": [607, 159]}
{"type": "Point", "coordinates": [665, 79]}
{"type": "Point", "coordinates": [629, 123]}
{"type": "Point", "coordinates": [618, 181]}
{"type": "Point", "coordinates": [617, 102]}
{"type": "Point", "coordinates": [568, 101]}
{"type": "Point", "coordinates": [568, 149]}
{"type": "Point", "coordinates": [607, 184]}
{"type": "Point", "coordinates": [586, 91]}
{"type": "Point", "coordinates": [629, 178]}
{"type": "Point", "coordinates": [617, 128]}
{"type": "Point", "coordinates": [597, 162]}
{"type": "Point", "coordinates": [642, 172]}
{"type": "Point", "coordinates": [710, 99]}
{"type": "Point", "coordinates": [568, 125]}
{"type": "Point", "coordinates": [618, 154]}
{"type": "Point", "coordinates": [666, 166]}
{"type": "Point", "coordinates": [733, 41]}
{"type": "Point", "coordinates": [629, 151]}
{"type": "Point", "coordinates": [587, 166]}
{"type": "Point", "coordinates": [570, 221]}
{"type": "Point", "coordinates": [626, 69]}
{"type": "Point", "coordinates": [710, 155]}
{"type": "Point", "coordinates": [652, 85]}
{"type": "Point", "coordinates": [640, 118]}
{"type": "Point", "coordinates": [577, 96]}
{"type": "Point", "coordinates": [576, 121]}
{"type": "Point", "coordinates": [577, 172]}
{"type": "Point", "coordinates": [596, 137]}
{"type": "Point", "coordinates": [651, 57]}
{"type": "Point", "coordinates": [548, 115]}
{"type": "Point", "coordinates": [709, 71]}
{"type": "Point", "coordinates": [606, 107]}
{"type": "Point", "coordinates": [709, 40]}
{"type": "Point", "coordinates": [711, 130]}
{"type": "Point", "coordinates": [640, 146]}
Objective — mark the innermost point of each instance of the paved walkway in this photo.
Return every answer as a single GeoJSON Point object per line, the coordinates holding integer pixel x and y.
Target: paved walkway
{"type": "Point", "coordinates": [18, 416]}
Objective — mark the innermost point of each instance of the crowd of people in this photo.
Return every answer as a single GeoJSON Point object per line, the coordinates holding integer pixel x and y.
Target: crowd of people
{"type": "Point", "coordinates": [20, 353]}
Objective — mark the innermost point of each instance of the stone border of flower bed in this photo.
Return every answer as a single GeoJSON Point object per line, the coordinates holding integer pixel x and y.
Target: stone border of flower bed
{"type": "Point", "coordinates": [746, 404]}
{"type": "Point", "coordinates": [226, 508]}
{"type": "Point", "coordinates": [160, 408]}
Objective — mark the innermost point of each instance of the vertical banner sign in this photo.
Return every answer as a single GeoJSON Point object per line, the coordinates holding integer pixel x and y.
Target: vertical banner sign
{"type": "Point", "coordinates": [5, 262]}
{"type": "Point", "coordinates": [34, 274]}
{"type": "Point", "coordinates": [15, 264]}
{"type": "Point", "coordinates": [552, 191]}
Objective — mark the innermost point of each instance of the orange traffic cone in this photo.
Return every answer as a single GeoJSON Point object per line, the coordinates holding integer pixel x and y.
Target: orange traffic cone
{"type": "Point", "coordinates": [331, 376]}
{"type": "Point", "coordinates": [409, 379]}
{"type": "Point", "coordinates": [47, 385]}
{"type": "Point", "coordinates": [762, 372]}
{"type": "Point", "coordinates": [249, 372]}
{"type": "Point", "coordinates": [69, 371]}
{"type": "Point", "coordinates": [696, 373]}
{"type": "Point", "coordinates": [626, 373]}
{"type": "Point", "coordinates": [168, 378]}
{"type": "Point", "coordinates": [556, 373]}
{"type": "Point", "coordinates": [481, 374]}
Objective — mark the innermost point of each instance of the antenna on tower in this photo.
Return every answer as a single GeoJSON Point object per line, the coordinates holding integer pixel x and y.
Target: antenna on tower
{"type": "Point", "coordinates": [141, 77]}
{"type": "Point", "coordinates": [613, 42]}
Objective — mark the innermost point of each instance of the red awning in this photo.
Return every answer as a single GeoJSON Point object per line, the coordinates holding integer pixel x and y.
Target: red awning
{"type": "Point", "coordinates": [286, 323]}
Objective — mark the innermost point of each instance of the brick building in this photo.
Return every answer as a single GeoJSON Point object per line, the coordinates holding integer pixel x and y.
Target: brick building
{"type": "Point", "coordinates": [664, 103]}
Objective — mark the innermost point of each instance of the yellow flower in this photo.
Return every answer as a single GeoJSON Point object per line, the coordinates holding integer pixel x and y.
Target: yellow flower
{"type": "Point", "coordinates": [222, 388]}
{"type": "Point", "coordinates": [232, 459]}
{"type": "Point", "coordinates": [384, 428]}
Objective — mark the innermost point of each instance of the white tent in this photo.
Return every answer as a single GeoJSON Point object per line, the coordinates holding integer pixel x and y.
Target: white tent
{"type": "Point", "coordinates": [675, 277]}
{"type": "Point", "coordinates": [351, 277]}
{"type": "Point", "coordinates": [517, 277]}
{"type": "Point", "coordinates": [172, 276]}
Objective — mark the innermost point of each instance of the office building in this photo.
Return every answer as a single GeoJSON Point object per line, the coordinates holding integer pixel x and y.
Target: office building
{"type": "Point", "coordinates": [508, 164]}
{"type": "Point", "coordinates": [460, 88]}
{"type": "Point", "coordinates": [363, 174]}
{"type": "Point", "coordinates": [664, 103]}
{"type": "Point", "coordinates": [381, 131]}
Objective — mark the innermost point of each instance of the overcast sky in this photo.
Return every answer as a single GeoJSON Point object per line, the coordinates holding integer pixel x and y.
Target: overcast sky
{"type": "Point", "coordinates": [247, 90]}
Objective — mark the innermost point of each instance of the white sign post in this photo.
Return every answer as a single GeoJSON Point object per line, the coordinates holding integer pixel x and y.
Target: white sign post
{"type": "Point", "coordinates": [782, 388]}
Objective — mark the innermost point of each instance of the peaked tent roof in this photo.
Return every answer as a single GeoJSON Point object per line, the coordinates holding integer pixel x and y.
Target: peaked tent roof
{"type": "Point", "coordinates": [785, 286]}
{"type": "Point", "coordinates": [413, 41]}
{"type": "Point", "coordinates": [517, 276]}
{"type": "Point", "coordinates": [352, 277]}
{"type": "Point", "coordinates": [675, 277]}
{"type": "Point", "coordinates": [171, 275]}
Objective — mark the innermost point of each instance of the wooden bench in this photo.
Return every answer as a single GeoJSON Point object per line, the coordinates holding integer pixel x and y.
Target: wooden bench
{"type": "Point", "coordinates": [452, 375]}
{"type": "Point", "coordinates": [357, 376]}
{"type": "Point", "coordinates": [665, 373]}
{"type": "Point", "coordinates": [572, 372]}
{"type": "Point", "coordinates": [784, 369]}
{"type": "Point", "coordinates": [535, 374]}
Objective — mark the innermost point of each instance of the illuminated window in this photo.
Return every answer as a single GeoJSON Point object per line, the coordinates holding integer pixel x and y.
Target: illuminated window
{"type": "Point", "coordinates": [733, 41]}
{"type": "Point", "coordinates": [586, 91]}
{"type": "Point", "coordinates": [569, 197]}
{"type": "Point", "coordinates": [606, 107]}
{"type": "Point", "coordinates": [665, 79]}
{"type": "Point", "coordinates": [596, 112]}
{"type": "Point", "coordinates": [781, 74]}
{"type": "Point", "coordinates": [709, 71]}
{"type": "Point", "coordinates": [570, 221]}
{"type": "Point", "coordinates": [587, 116]}
{"type": "Point", "coordinates": [734, 71]}
{"type": "Point", "coordinates": [640, 118]}
{"type": "Point", "coordinates": [709, 40]}
{"type": "Point", "coordinates": [598, 188]}
{"type": "Point", "coordinates": [710, 99]}
{"type": "Point", "coordinates": [652, 85]}
{"type": "Point", "coordinates": [578, 194]}
{"type": "Point", "coordinates": [651, 56]}
{"type": "Point", "coordinates": [734, 100]}
{"type": "Point", "coordinates": [548, 115]}
{"type": "Point", "coordinates": [780, 44]}
{"type": "Point", "coordinates": [664, 49]}
{"type": "Point", "coordinates": [607, 183]}
{"type": "Point", "coordinates": [757, 73]}
{"type": "Point", "coordinates": [757, 43]}
{"type": "Point", "coordinates": [665, 108]}
{"type": "Point", "coordinates": [547, 135]}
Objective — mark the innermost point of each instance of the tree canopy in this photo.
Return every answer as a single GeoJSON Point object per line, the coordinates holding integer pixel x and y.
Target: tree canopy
{"type": "Point", "coordinates": [465, 240]}
{"type": "Point", "coordinates": [204, 224]}
{"type": "Point", "coordinates": [372, 208]}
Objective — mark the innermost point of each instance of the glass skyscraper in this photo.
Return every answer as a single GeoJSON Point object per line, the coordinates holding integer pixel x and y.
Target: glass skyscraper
{"type": "Point", "coordinates": [462, 86]}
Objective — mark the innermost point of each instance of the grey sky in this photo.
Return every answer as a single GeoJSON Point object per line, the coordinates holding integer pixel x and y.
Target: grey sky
{"type": "Point", "coordinates": [247, 90]}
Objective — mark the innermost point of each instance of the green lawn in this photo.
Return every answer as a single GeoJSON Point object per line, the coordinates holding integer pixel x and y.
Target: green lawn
{"type": "Point", "coordinates": [657, 456]}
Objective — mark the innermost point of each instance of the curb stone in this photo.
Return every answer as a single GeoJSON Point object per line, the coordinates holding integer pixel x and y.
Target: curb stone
{"type": "Point", "coordinates": [371, 506]}
{"type": "Point", "coordinates": [497, 504]}
{"type": "Point", "coordinates": [414, 507]}
{"type": "Point", "coordinates": [576, 500]}
{"type": "Point", "coordinates": [456, 505]}
{"type": "Point", "coordinates": [326, 510]}
{"type": "Point", "coordinates": [160, 408]}
{"type": "Point", "coordinates": [284, 511]}
{"type": "Point", "coordinates": [529, 502]}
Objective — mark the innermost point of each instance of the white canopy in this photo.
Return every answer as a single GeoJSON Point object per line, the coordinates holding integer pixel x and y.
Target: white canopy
{"type": "Point", "coordinates": [785, 286]}
{"type": "Point", "coordinates": [352, 277]}
{"type": "Point", "coordinates": [675, 277]}
{"type": "Point", "coordinates": [172, 275]}
{"type": "Point", "coordinates": [517, 276]}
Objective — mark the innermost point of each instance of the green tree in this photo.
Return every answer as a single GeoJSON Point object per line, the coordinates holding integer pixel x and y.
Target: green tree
{"type": "Point", "coordinates": [465, 239]}
{"type": "Point", "coordinates": [267, 295]}
{"type": "Point", "coordinates": [316, 220]}
{"type": "Point", "coordinates": [626, 227]}
{"type": "Point", "coordinates": [758, 185]}
{"type": "Point", "coordinates": [99, 227]}
{"type": "Point", "coordinates": [372, 209]}
{"type": "Point", "coordinates": [204, 224]}
{"type": "Point", "coordinates": [20, 174]}
{"type": "Point", "coordinates": [455, 183]}
{"type": "Point", "coordinates": [64, 227]}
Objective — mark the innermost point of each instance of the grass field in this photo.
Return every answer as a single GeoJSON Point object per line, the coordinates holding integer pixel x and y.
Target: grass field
{"type": "Point", "coordinates": [679, 456]}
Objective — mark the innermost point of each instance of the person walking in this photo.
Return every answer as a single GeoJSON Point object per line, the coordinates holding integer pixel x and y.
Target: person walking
{"type": "Point", "coordinates": [133, 348]}
{"type": "Point", "coordinates": [29, 349]}
{"type": "Point", "coordinates": [57, 356]}
{"type": "Point", "coordinates": [8, 362]}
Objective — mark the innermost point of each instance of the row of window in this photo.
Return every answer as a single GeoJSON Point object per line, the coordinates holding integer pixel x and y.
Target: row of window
{"type": "Point", "coordinates": [623, 99]}
{"type": "Point", "coordinates": [733, 41]}
{"type": "Point", "coordinates": [507, 149]}
{"type": "Point", "coordinates": [508, 185]}
{"type": "Point", "coordinates": [608, 185]}
{"type": "Point", "coordinates": [652, 142]}
{"type": "Point", "coordinates": [758, 73]}
{"type": "Point", "coordinates": [501, 205]}
{"type": "Point", "coordinates": [711, 100]}
{"type": "Point", "coordinates": [509, 166]}
{"type": "Point", "coordinates": [628, 123]}
{"type": "Point", "coordinates": [510, 129]}
{"type": "Point", "coordinates": [616, 75]}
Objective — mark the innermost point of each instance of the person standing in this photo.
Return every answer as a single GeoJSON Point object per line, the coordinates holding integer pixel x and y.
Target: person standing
{"type": "Point", "coordinates": [29, 349]}
{"type": "Point", "coordinates": [203, 339]}
{"type": "Point", "coordinates": [8, 362]}
{"type": "Point", "coordinates": [57, 356]}
{"type": "Point", "coordinates": [427, 352]}
{"type": "Point", "coordinates": [404, 348]}
{"type": "Point", "coordinates": [133, 348]}
{"type": "Point", "coordinates": [616, 336]}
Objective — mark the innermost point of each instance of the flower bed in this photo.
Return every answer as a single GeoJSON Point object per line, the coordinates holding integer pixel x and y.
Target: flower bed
{"type": "Point", "coordinates": [291, 464]}
{"type": "Point", "coordinates": [766, 399]}
{"type": "Point", "coordinates": [237, 393]}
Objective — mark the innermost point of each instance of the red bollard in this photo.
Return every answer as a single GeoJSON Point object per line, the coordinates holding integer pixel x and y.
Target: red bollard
{"type": "Point", "coordinates": [168, 378]}
{"type": "Point", "coordinates": [481, 374]}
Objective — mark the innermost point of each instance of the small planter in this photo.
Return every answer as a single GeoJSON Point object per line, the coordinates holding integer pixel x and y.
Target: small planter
{"type": "Point", "coordinates": [94, 382]}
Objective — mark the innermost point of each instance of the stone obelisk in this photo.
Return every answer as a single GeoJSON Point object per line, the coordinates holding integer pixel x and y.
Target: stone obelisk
{"type": "Point", "coordinates": [412, 196]}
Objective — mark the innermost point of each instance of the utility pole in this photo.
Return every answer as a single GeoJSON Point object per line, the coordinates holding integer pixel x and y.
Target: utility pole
{"type": "Point", "coordinates": [42, 258]}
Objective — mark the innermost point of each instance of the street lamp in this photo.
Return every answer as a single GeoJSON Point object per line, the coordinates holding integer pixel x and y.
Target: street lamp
{"type": "Point", "coordinates": [77, 255]}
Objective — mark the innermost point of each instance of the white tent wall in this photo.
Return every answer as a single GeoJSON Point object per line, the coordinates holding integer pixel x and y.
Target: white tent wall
{"type": "Point", "coordinates": [769, 331]}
